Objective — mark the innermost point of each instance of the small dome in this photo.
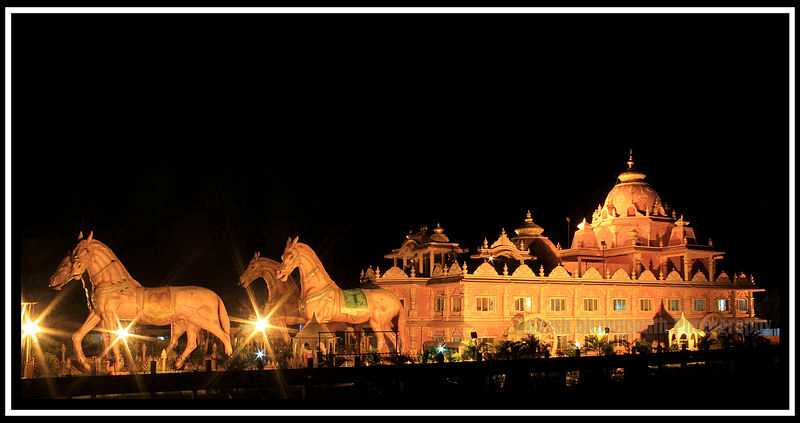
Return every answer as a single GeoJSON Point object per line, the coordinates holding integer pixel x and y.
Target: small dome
{"type": "Point", "coordinates": [438, 234]}
{"type": "Point", "coordinates": [529, 228]}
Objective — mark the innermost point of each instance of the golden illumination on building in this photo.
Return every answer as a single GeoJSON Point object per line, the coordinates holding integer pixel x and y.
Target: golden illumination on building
{"type": "Point", "coordinates": [633, 270]}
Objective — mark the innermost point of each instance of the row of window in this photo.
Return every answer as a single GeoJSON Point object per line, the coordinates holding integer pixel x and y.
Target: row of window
{"type": "Point", "coordinates": [521, 304]}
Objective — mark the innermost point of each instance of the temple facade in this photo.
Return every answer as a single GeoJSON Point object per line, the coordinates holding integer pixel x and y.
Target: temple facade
{"type": "Point", "coordinates": [636, 271]}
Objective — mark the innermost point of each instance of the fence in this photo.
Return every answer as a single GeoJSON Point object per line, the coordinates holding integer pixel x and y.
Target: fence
{"type": "Point", "coordinates": [614, 381]}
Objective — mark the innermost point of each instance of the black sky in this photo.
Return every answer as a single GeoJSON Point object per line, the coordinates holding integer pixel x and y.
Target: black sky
{"type": "Point", "coordinates": [187, 142]}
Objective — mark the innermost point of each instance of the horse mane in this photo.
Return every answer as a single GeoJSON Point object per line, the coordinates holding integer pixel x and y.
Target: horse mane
{"type": "Point", "coordinates": [106, 250]}
{"type": "Point", "coordinates": [314, 256]}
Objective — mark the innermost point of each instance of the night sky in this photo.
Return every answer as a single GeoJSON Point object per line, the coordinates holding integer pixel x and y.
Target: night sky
{"type": "Point", "coordinates": [188, 142]}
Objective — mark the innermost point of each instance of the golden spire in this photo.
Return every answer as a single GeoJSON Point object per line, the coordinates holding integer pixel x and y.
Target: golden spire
{"type": "Point", "coordinates": [528, 217]}
{"type": "Point", "coordinates": [630, 159]}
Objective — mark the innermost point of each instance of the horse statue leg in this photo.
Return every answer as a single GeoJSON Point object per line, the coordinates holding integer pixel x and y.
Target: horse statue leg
{"type": "Point", "coordinates": [191, 344]}
{"type": "Point", "coordinates": [109, 320]}
{"type": "Point", "coordinates": [176, 330]}
{"type": "Point", "coordinates": [380, 336]}
{"type": "Point", "coordinates": [91, 321]}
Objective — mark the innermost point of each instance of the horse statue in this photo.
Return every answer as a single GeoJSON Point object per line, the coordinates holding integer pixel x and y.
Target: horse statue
{"type": "Point", "coordinates": [283, 299]}
{"type": "Point", "coordinates": [118, 296]}
{"type": "Point", "coordinates": [62, 275]}
{"type": "Point", "coordinates": [321, 297]}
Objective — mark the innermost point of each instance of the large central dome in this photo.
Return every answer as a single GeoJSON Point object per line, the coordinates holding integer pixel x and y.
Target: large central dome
{"type": "Point", "coordinates": [631, 193]}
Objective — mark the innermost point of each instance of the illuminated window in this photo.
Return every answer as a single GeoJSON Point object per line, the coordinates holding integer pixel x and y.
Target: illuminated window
{"type": "Point", "coordinates": [455, 303]}
{"type": "Point", "coordinates": [484, 303]}
{"type": "Point", "coordinates": [438, 305]}
{"type": "Point", "coordinates": [590, 304]}
{"type": "Point", "coordinates": [645, 304]}
{"type": "Point", "coordinates": [722, 304]}
{"type": "Point", "coordinates": [674, 304]}
{"type": "Point", "coordinates": [620, 304]}
{"type": "Point", "coordinates": [699, 304]}
{"type": "Point", "coordinates": [558, 304]}
{"type": "Point", "coordinates": [522, 304]}
{"type": "Point", "coordinates": [741, 304]}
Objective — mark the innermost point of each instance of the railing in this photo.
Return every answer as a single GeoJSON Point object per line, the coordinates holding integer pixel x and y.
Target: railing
{"type": "Point", "coordinates": [656, 378]}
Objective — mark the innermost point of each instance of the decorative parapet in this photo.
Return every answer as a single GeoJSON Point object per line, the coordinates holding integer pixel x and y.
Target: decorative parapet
{"type": "Point", "coordinates": [620, 275]}
{"type": "Point", "coordinates": [647, 276]}
{"type": "Point", "coordinates": [455, 269]}
{"type": "Point", "coordinates": [592, 273]}
{"type": "Point", "coordinates": [723, 277]}
{"type": "Point", "coordinates": [523, 271]}
{"type": "Point", "coordinates": [674, 276]}
{"type": "Point", "coordinates": [560, 272]}
{"type": "Point", "coordinates": [486, 269]}
{"type": "Point", "coordinates": [437, 271]}
{"type": "Point", "coordinates": [699, 277]}
{"type": "Point", "coordinates": [394, 273]}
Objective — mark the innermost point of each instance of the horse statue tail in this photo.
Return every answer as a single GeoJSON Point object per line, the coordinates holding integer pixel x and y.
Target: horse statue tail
{"type": "Point", "coordinates": [224, 320]}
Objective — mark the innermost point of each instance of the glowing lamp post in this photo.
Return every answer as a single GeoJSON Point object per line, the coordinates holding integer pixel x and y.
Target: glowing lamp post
{"type": "Point", "coordinates": [122, 333]}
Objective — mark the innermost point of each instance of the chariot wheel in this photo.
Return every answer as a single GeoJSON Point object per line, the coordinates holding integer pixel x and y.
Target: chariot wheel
{"type": "Point", "coordinates": [536, 326]}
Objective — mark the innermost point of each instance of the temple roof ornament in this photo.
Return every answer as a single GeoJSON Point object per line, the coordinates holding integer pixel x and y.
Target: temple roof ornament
{"type": "Point", "coordinates": [502, 247]}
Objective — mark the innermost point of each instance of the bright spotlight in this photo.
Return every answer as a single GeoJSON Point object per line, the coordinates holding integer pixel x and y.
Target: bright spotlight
{"type": "Point", "coordinates": [122, 333]}
{"type": "Point", "coordinates": [259, 354]}
{"type": "Point", "coordinates": [261, 324]}
{"type": "Point", "coordinates": [441, 349]}
{"type": "Point", "coordinates": [30, 329]}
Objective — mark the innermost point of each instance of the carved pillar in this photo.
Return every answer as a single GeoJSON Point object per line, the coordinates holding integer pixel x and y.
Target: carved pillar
{"type": "Point", "coordinates": [711, 268]}
{"type": "Point", "coordinates": [432, 263]}
{"type": "Point", "coordinates": [752, 310]}
{"type": "Point", "coordinates": [685, 259]}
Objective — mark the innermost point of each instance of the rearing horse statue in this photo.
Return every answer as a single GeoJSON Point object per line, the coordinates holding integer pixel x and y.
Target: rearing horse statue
{"type": "Point", "coordinates": [320, 296]}
{"type": "Point", "coordinates": [118, 296]}
{"type": "Point", "coordinates": [283, 299]}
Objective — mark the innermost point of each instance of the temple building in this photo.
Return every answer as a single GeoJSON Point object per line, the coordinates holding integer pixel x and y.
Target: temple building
{"type": "Point", "coordinates": [636, 270]}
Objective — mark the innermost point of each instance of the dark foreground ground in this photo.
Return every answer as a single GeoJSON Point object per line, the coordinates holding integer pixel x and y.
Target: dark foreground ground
{"type": "Point", "coordinates": [745, 379]}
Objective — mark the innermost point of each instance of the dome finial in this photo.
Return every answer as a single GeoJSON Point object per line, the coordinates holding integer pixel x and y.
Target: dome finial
{"type": "Point", "coordinates": [528, 217]}
{"type": "Point", "coordinates": [630, 159]}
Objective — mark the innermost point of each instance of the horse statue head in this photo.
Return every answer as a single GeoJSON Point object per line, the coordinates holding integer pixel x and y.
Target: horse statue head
{"type": "Point", "coordinates": [81, 255]}
{"type": "Point", "coordinates": [252, 271]}
{"type": "Point", "coordinates": [71, 266]}
{"type": "Point", "coordinates": [63, 273]}
{"type": "Point", "coordinates": [290, 259]}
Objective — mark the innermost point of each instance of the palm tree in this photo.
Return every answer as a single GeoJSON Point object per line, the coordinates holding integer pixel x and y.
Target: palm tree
{"type": "Point", "coordinates": [531, 347]}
